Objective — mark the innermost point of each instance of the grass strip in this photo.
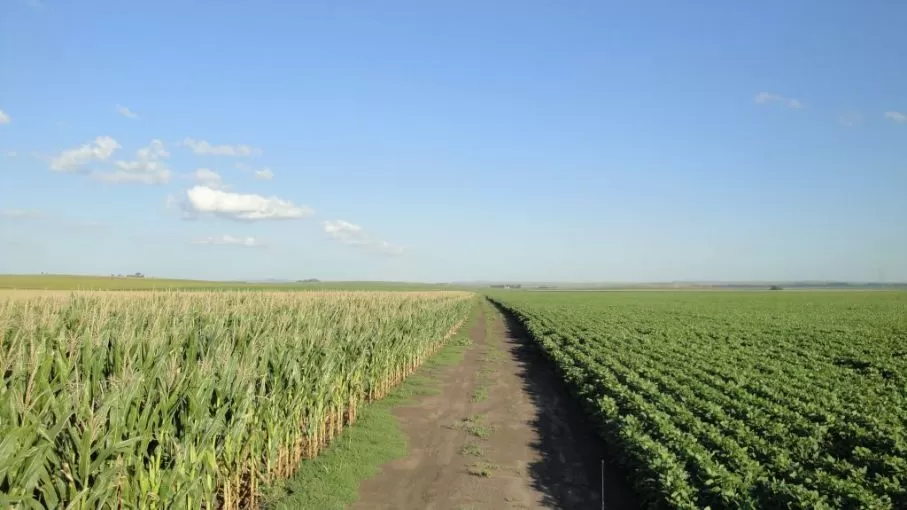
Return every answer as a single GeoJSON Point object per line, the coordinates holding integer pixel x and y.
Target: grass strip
{"type": "Point", "coordinates": [331, 481]}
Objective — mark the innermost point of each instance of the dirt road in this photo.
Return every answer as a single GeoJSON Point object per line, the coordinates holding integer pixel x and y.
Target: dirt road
{"type": "Point", "coordinates": [500, 434]}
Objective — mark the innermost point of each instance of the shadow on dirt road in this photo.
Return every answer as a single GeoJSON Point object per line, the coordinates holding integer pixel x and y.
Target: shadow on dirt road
{"type": "Point", "coordinates": [569, 469]}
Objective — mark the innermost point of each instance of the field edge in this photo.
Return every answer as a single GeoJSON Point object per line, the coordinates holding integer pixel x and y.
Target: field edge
{"type": "Point", "coordinates": [630, 474]}
{"type": "Point", "coordinates": [331, 480]}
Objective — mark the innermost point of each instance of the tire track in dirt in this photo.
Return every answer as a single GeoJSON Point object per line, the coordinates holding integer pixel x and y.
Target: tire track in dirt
{"type": "Point", "coordinates": [500, 434]}
{"type": "Point", "coordinates": [422, 478]}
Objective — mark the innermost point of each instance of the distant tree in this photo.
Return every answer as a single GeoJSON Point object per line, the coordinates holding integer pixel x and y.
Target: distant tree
{"type": "Point", "coordinates": [775, 287]}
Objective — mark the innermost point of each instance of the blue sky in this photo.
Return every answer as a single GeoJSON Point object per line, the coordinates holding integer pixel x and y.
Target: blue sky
{"type": "Point", "coordinates": [437, 141]}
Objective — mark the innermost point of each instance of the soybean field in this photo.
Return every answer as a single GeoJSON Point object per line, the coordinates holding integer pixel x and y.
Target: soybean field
{"type": "Point", "coordinates": [738, 399]}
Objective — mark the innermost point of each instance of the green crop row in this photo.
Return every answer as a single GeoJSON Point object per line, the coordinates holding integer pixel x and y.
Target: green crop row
{"type": "Point", "coordinates": [193, 400]}
{"type": "Point", "coordinates": [739, 400]}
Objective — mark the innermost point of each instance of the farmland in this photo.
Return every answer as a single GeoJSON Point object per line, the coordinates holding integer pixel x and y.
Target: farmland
{"type": "Point", "coordinates": [194, 399]}
{"type": "Point", "coordinates": [209, 397]}
{"type": "Point", "coordinates": [738, 400]}
{"type": "Point", "coordinates": [79, 282]}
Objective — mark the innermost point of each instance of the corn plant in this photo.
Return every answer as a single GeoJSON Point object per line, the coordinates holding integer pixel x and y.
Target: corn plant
{"type": "Point", "coordinates": [193, 399]}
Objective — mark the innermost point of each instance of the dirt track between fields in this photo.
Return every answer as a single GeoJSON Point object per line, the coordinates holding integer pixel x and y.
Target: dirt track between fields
{"type": "Point", "coordinates": [500, 434]}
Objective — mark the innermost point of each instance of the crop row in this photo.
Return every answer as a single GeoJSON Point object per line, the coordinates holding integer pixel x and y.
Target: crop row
{"type": "Point", "coordinates": [739, 400]}
{"type": "Point", "coordinates": [193, 400]}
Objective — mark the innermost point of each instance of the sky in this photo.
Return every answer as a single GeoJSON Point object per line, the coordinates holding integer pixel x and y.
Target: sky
{"type": "Point", "coordinates": [455, 140]}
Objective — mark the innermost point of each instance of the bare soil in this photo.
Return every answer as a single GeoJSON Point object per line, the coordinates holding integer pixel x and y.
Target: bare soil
{"type": "Point", "coordinates": [500, 434]}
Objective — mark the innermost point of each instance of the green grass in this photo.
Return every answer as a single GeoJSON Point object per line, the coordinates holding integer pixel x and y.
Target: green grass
{"type": "Point", "coordinates": [492, 353]}
{"type": "Point", "coordinates": [331, 481]}
{"type": "Point", "coordinates": [77, 282]}
{"type": "Point", "coordinates": [483, 384]}
{"type": "Point", "coordinates": [481, 469]}
{"type": "Point", "coordinates": [472, 450]}
{"type": "Point", "coordinates": [475, 427]}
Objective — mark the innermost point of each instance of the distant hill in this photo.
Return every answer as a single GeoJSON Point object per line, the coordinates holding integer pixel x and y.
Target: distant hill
{"type": "Point", "coordinates": [684, 285]}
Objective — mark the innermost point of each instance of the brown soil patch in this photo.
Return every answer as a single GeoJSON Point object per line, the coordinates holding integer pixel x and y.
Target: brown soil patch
{"type": "Point", "coordinates": [521, 443]}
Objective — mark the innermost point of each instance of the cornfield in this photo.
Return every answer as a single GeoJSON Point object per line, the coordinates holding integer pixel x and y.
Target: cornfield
{"type": "Point", "coordinates": [193, 399]}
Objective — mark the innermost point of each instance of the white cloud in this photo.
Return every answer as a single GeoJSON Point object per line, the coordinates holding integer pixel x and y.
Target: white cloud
{"type": "Point", "coordinates": [4, 118]}
{"type": "Point", "coordinates": [126, 112]}
{"type": "Point", "coordinates": [155, 150]}
{"type": "Point", "coordinates": [354, 235]}
{"type": "Point", "coordinates": [147, 168]}
{"type": "Point", "coordinates": [345, 232]}
{"type": "Point", "coordinates": [71, 160]}
{"type": "Point", "coordinates": [896, 116]}
{"type": "Point", "coordinates": [147, 172]}
{"type": "Point", "coordinates": [21, 214]}
{"type": "Point", "coordinates": [203, 147]}
{"type": "Point", "coordinates": [11, 154]}
{"type": "Point", "coordinates": [768, 97]}
{"type": "Point", "coordinates": [225, 240]}
{"type": "Point", "coordinates": [242, 206]}
{"type": "Point", "coordinates": [209, 178]}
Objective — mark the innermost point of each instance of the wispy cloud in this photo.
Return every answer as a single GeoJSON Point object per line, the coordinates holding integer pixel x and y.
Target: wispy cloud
{"type": "Point", "coordinates": [5, 118]}
{"type": "Point", "coordinates": [73, 159]}
{"type": "Point", "coordinates": [204, 200]}
{"type": "Point", "coordinates": [896, 116]}
{"type": "Point", "coordinates": [21, 214]}
{"type": "Point", "coordinates": [209, 178]}
{"type": "Point", "coordinates": [203, 147]}
{"type": "Point", "coordinates": [126, 112]}
{"type": "Point", "coordinates": [51, 219]}
{"type": "Point", "coordinates": [769, 97]}
{"type": "Point", "coordinates": [264, 173]}
{"type": "Point", "coordinates": [354, 235]}
{"type": "Point", "coordinates": [148, 167]}
{"type": "Point", "coordinates": [11, 154]}
{"type": "Point", "coordinates": [228, 240]}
